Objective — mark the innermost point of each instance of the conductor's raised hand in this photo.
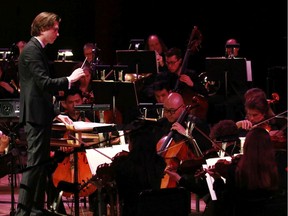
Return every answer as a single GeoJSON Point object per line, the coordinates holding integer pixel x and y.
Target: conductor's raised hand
{"type": "Point", "coordinates": [76, 75]}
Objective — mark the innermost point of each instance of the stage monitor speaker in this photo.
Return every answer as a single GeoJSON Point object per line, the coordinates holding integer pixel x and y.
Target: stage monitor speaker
{"type": "Point", "coordinates": [9, 107]}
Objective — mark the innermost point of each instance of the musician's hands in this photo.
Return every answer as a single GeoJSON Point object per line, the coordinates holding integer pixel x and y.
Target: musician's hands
{"type": "Point", "coordinates": [76, 75]}
{"type": "Point", "coordinates": [7, 86]}
{"type": "Point", "coordinates": [159, 59]}
{"type": "Point", "coordinates": [172, 173]}
{"type": "Point", "coordinates": [179, 128]}
{"type": "Point", "coordinates": [212, 172]}
{"type": "Point", "coordinates": [186, 79]}
{"type": "Point", "coordinates": [244, 124]}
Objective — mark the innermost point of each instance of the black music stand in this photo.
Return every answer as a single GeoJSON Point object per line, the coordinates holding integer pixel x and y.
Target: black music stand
{"type": "Point", "coordinates": [230, 71]}
{"type": "Point", "coordinates": [138, 61]}
{"type": "Point", "coordinates": [120, 95]}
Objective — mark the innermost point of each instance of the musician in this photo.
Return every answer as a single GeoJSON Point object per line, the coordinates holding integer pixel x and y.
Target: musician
{"type": "Point", "coordinates": [257, 111]}
{"type": "Point", "coordinates": [160, 91]}
{"type": "Point", "coordinates": [90, 52]}
{"type": "Point", "coordinates": [84, 84]}
{"type": "Point", "coordinates": [225, 131]}
{"type": "Point", "coordinates": [8, 87]}
{"type": "Point", "coordinates": [191, 127]}
{"type": "Point", "coordinates": [4, 142]}
{"type": "Point", "coordinates": [155, 43]}
{"type": "Point", "coordinates": [37, 110]}
{"type": "Point", "coordinates": [73, 97]}
{"type": "Point", "coordinates": [232, 48]}
{"type": "Point", "coordinates": [252, 180]}
{"type": "Point", "coordinates": [189, 78]}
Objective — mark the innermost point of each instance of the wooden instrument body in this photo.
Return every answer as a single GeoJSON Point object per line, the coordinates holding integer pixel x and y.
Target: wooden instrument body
{"type": "Point", "coordinates": [65, 171]}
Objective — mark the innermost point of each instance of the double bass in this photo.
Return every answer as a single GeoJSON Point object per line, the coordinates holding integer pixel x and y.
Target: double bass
{"type": "Point", "coordinates": [186, 91]}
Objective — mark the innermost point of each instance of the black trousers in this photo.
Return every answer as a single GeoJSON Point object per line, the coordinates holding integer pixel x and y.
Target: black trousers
{"type": "Point", "coordinates": [34, 180]}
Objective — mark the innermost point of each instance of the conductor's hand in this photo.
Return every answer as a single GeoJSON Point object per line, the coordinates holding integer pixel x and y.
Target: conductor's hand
{"type": "Point", "coordinates": [76, 75]}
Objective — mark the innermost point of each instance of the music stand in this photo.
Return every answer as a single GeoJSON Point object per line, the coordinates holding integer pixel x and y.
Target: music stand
{"type": "Point", "coordinates": [120, 95]}
{"type": "Point", "coordinates": [230, 71]}
{"type": "Point", "coordinates": [138, 61]}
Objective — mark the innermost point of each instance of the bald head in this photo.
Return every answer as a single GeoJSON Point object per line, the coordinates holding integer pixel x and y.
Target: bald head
{"type": "Point", "coordinates": [174, 100]}
{"type": "Point", "coordinates": [232, 41]}
{"type": "Point", "coordinates": [232, 48]}
{"type": "Point", "coordinates": [173, 106]}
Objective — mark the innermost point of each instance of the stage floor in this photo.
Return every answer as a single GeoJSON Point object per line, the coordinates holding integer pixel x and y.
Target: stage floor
{"type": "Point", "coordinates": [6, 208]}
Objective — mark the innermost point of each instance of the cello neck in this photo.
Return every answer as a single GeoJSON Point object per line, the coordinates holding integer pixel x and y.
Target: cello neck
{"type": "Point", "coordinates": [169, 137]}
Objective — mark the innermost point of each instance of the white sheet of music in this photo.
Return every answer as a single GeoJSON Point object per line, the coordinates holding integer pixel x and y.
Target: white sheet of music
{"type": "Point", "coordinates": [249, 71]}
{"type": "Point", "coordinates": [210, 162]}
{"type": "Point", "coordinates": [81, 125]}
{"type": "Point", "coordinates": [96, 158]}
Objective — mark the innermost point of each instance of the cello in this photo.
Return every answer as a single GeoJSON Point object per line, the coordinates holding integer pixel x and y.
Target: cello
{"type": "Point", "coordinates": [65, 172]}
{"type": "Point", "coordinates": [186, 91]}
{"type": "Point", "coordinates": [174, 151]}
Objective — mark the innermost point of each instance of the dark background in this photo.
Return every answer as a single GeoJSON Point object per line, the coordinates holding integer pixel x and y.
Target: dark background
{"type": "Point", "coordinates": [261, 29]}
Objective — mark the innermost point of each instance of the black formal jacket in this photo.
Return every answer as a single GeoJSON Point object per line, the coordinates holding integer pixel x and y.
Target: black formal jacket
{"type": "Point", "coordinates": [37, 87]}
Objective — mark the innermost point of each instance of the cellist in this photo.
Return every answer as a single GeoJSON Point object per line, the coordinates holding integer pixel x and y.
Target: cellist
{"type": "Point", "coordinates": [72, 98]}
{"type": "Point", "coordinates": [187, 140]}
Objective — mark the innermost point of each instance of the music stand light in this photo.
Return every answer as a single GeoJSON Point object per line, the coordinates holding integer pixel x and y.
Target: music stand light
{"type": "Point", "coordinates": [64, 53]}
{"type": "Point", "coordinates": [135, 43]}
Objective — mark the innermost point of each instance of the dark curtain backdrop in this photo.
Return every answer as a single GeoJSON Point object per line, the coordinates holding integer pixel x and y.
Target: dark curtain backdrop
{"type": "Point", "coordinates": [261, 28]}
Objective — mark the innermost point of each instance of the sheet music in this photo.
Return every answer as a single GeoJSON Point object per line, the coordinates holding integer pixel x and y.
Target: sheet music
{"type": "Point", "coordinates": [210, 162]}
{"type": "Point", "coordinates": [95, 158]}
{"type": "Point", "coordinates": [249, 71]}
{"type": "Point", "coordinates": [81, 125]}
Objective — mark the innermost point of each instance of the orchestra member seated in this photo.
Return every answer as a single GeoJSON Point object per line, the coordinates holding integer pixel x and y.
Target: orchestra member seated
{"type": "Point", "coordinates": [252, 180]}
{"type": "Point", "coordinates": [258, 113]}
{"type": "Point", "coordinates": [188, 132]}
{"type": "Point", "coordinates": [4, 142]}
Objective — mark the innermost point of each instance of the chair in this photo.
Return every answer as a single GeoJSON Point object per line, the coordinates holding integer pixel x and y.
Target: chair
{"type": "Point", "coordinates": [165, 201]}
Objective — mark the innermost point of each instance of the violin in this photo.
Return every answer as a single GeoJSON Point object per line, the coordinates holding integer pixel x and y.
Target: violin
{"type": "Point", "coordinates": [221, 167]}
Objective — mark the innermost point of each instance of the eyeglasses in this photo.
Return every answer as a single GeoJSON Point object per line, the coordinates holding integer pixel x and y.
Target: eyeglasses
{"type": "Point", "coordinates": [172, 62]}
{"type": "Point", "coordinates": [172, 111]}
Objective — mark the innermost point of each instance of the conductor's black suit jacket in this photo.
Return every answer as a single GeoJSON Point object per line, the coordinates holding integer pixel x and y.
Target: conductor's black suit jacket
{"type": "Point", "coordinates": [37, 88]}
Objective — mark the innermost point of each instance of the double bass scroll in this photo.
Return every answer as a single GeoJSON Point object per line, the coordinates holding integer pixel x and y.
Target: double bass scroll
{"type": "Point", "coordinates": [199, 91]}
